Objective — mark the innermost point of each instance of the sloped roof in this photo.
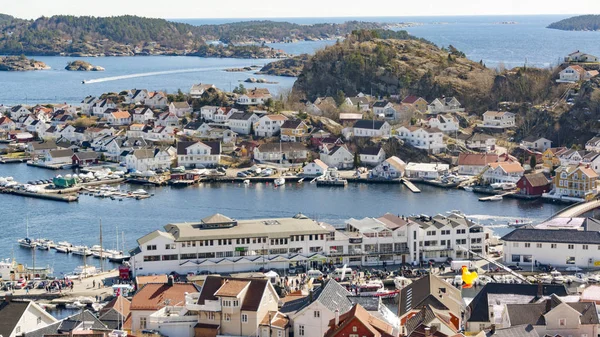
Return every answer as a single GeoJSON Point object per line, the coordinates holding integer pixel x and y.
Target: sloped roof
{"type": "Point", "coordinates": [152, 296]}
{"type": "Point", "coordinates": [291, 124]}
{"type": "Point", "coordinates": [411, 99]}
{"type": "Point", "coordinates": [217, 218]}
{"type": "Point", "coordinates": [232, 288]}
{"type": "Point", "coordinates": [369, 124]}
{"type": "Point", "coordinates": [10, 313]}
{"type": "Point", "coordinates": [251, 301]}
{"type": "Point", "coordinates": [553, 236]}
{"type": "Point", "coordinates": [476, 159]}
{"type": "Point", "coordinates": [376, 327]}
{"type": "Point", "coordinates": [536, 179]}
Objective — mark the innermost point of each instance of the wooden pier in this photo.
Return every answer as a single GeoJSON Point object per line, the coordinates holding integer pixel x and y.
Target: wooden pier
{"type": "Point", "coordinates": [14, 160]}
{"type": "Point", "coordinates": [411, 186]}
{"type": "Point", "coordinates": [55, 197]}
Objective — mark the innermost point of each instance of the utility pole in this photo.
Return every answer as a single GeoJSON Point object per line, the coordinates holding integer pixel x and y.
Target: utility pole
{"type": "Point", "coordinates": [101, 250]}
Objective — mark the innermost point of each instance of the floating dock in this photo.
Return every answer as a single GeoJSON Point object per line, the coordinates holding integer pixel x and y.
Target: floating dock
{"type": "Point", "coordinates": [55, 197]}
{"type": "Point", "coordinates": [411, 186]}
{"type": "Point", "coordinates": [14, 160]}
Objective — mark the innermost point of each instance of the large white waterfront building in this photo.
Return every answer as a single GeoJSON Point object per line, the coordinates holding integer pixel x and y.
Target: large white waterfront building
{"type": "Point", "coordinates": [220, 244]}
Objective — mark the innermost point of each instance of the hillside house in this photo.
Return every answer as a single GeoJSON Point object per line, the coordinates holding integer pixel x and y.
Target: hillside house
{"type": "Point", "coordinates": [315, 168]}
{"type": "Point", "coordinates": [391, 168]}
{"type": "Point", "coordinates": [417, 103]}
{"type": "Point", "coordinates": [371, 156]}
{"type": "Point", "coordinates": [281, 152]}
{"type": "Point", "coordinates": [337, 156]}
{"type": "Point", "coordinates": [198, 89]}
{"type": "Point", "coordinates": [431, 139]}
{"type": "Point", "coordinates": [180, 109]}
{"type": "Point", "coordinates": [269, 125]}
{"type": "Point", "coordinates": [371, 128]}
{"type": "Point", "coordinates": [256, 96]}
{"type": "Point", "coordinates": [242, 122]}
{"type": "Point", "coordinates": [578, 56]}
{"type": "Point", "coordinates": [294, 130]}
{"type": "Point", "coordinates": [198, 154]}
{"type": "Point", "coordinates": [498, 119]}
{"type": "Point", "coordinates": [444, 105]}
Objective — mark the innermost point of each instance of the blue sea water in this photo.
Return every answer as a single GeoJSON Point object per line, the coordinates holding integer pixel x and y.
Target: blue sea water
{"type": "Point", "coordinates": [480, 37]}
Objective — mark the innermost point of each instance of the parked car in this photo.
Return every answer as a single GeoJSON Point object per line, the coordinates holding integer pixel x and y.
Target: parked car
{"type": "Point", "coordinates": [242, 175]}
{"type": "Point", "coordinates": [573, 268]}
{"type": "Point", "coordinates": [514, 267]}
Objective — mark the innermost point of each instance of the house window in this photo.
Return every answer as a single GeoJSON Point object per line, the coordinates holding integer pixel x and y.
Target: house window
{"type": "Point", "coordinates": [236, 303]}
{"type": "Point", "coordinates": [585, 247]}
{"type": "Point", "coordinates": [516, 258]}
{"type": "Point", "coordinates": [170, 246]}
{"type": "Point", "coordinates": [538, 245]}
{"type": "Point", "coordinates": [570, 259]}
{"type": "Point", "coordinates": [527, 245]}
{"type": "Point", "coordinates": [151, 247]}
{"type": "Point", "coordinates": [317, 313]}
{"type": "Point", "coordinates": [354, 329]}
{"type": "Point", "coordinates": [571, 246]}
{"type": "Point", "coordinates": [142, 322]}
{"type": "Point", "coordinates": [562, 322]}
{"type": "Point", "coordinates": [279, 333]}
{"type": "Point", "coordinates": [244, 318]}
{"type": "Point", "coordinates": [553, 245]}
{"type": "Point", "coordinates": [300, 330]}
{"type": "Point", "coordinates": [227, 317]}
{"type": "Point", "coordinates": [210, 315]}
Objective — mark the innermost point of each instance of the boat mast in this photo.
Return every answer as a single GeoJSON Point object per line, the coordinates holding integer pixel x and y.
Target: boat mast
{"type": "Point", "coordinates": [101, 255]}
{"type": "Point", "coordinates": [123, 240]}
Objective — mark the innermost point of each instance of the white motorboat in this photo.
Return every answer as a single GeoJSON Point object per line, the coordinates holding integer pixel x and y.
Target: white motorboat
{"type": "Point", "coordinates": [593, 278]}
{"type": "Point", "coordinates": [83, 272]}
{"type": "Point", "coordinates": [81, 250]}
{"type": "Point", "coordinates": [509, 186]}
{"type": "Point", "coordinates": [246, 182]}
{"type": "Point", "coordinates": [64, 244]}
{"type": "Point", "coordinates": [468, 188]}
{"type": "Point", "coordinates": [375, 288]}
{"type": "Point", "coordinates": [496, 185]}
{"type": "Point", "coordinates": [26, 243]}
{"type": "Point", "coordinates": [139, 192]}
{"type": "Point", "coordinates": [580, 278]}
{"type": "Point", "coordinates": [496, 198]}
{"type": "Point", "coordinates": [119, 257]}
{"type": "Point", "coordinates": [279, 181]}
{"type": "Point", "coordinates": [545, 278]}
{"type": "Point", "coordinates": [559, 279]}
{"type": "Point", "coordinates": [499, 278]}
{"type": "Point", "coordinates": [62, 249]}
{"type": "Point", "coordinates": [457, 281]}
{"type": "Point", "coordinates": [519, 223]}
{"type": "Point", "coordinates": [75, 305]}
{"type": "Point", "coordinates": [401, 282]}
{"type": "Point", "coordinates": [41, 245]}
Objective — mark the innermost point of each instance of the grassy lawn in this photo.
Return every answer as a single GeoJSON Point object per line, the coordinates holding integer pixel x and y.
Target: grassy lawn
{"type": "Point", "coordinates": [15, 155]}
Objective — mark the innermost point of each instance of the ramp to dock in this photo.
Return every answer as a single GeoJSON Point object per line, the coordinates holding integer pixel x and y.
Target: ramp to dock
{"type": "Point", "coordinates": [411, 186]}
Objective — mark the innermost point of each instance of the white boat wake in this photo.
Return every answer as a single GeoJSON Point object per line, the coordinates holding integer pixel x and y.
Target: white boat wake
{"type": "Point", "coordinates": [155, 73]}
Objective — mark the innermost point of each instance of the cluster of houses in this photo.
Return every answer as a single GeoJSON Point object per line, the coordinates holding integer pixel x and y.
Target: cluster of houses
{"type": "Point", "coordinates": [575, 71]}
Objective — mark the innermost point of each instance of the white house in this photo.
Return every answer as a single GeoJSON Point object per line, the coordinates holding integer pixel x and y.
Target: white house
{"type": "Point", "coordinates": [241, 122]}
{"type": "Point", "coordinates": [321, 105]}
{"type": "Point", "coordinates": [478, 141]}
{"type": "Point", "coordinates": [385, 109]}
{"type": "Point", "coordinates": [371, 128]}
{"type": "Point", "coordinates": [371, 156]}
{"type": "Point", "coordinates": [533, 143]}
{"type": "Point", "coordinates": [473, 164]}
{"type": "Point", "coordinates": [156, 100]}
{"type": "Point", "coordinates": [18, 111]}
{"type": "Point", "coordinates": [142, 115]}
{"type": "Point", "coordinates": [256, 96]}
{"type": "Point", "coordinates": [148, 159]}
{"type": "Point", "coordinates": [444, 122]}
{"type": "Point", "coordinates": [119, 118]}
{"type": "Point", "coordinates": [503, 172]}
{"type": "Point", "coordinates": [86, 105]}
{"type": "Point", "coordinates": [498, 119]}
{"type": "Point", "coordinates": [444, 105]}
{"type": "Point", "coordinates": [6, 124]}
{"type": "Point", "coordinates": [391, 168]}
{"type": "Point", "coordinates": [591, 145]}
{"type": "Point", "coordinates": [431, 139]}
{"type": "Point", "coordinates": [99, 107]}
{"type": "Point", "coordinates": [573, 73]}
{"type": "Point", "coordinates": [198, 154]}
{"type": "Point", "coordinates": [207, 112]}
{"type": "Point", "coordinates": [337, 156]}
{"type": "Point", "coordinates": [313, 319]}
{"type": "Point", "coordinates": [180, 109]}
{"type": "Point", "coordinates": [430, 171]}
{"type": "Point", "coordinates": [198, 89]}
{"type": "Point", "coordinates": [136, 96]}
{"type": "Point", "coordinates": [578, 56]}
{"type": "Point", "coordinates": [269, 125]}
{"type": "Point", "coordinates": [359, 103]}
{"type": "Point", "coordinates": [167, 119]}
{"type": "Point", "coordinates": [315, 168]}
{"type": "Point", "coordinates": [21, 317]}
{"type": "Point", "coordinates": [58, 157]}
{"type": "Point", "coordinates": [280, 152]}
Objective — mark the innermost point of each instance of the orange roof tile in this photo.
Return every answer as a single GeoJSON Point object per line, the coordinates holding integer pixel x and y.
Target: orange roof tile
{"type": "Point", "coordinates": [121, 114]}
{"type": "Point", "coordinates": [153, 296]}
{"type": "Point", "coordinates": [143, 280]}
{"type": "Point", "coordinates": [508, 167]}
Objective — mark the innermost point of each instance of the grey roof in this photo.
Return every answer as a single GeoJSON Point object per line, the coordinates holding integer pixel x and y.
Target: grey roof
{"type": "Point", "coordinates": [48, 145]}
{"type": "Point", "coordinates": [368, 124]}
{"type": "Point", "coordinates": [193, 125]}
{"type": "Point", "coordinates": [10, 313]}
{"type": "Point", "coordinates": [525, 330]}
{"type": "Point", "coordinates": [61, 153]}
{"type": "Point", "coordinates": [68, 324]}
{"type": "Point", "coordinates": [479, 306]}
{"type": "Point", "coordinates": [331, 295]}
{"type": "Point", "coordinates": [87, 155]}
{"type": "Point", "coordinates": [369, 303]}
{"type": "Point", "coordinates": [285, 147]}
{"type": "Point", "coordinates": [215, 147]}
{"type": "Point", "coordinates": [370, 151]}
{"type": "Point", "coordinates": [553, 236]}
{"type": "Point", "coordinates": [425, 316]}
{"type": "Point", "coordinates": [419, 294]}
{"type": "Point", "coordinates": [533, 313]}
{"type": "Point", "coordinates": [380, 104]}
{"type": "Point", "coordinates": [242, 116]}
{"type": "Point", "coordinates": [291, 124]}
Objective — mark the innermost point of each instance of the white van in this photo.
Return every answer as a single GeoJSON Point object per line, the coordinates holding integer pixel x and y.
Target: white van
{"type": "Point", "coordinates": [316, 274]}
{"type": "Point", "coordinates": [338, 272]}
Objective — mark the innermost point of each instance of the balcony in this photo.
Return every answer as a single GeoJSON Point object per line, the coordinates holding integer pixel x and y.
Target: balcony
{"type": "Point", "coordinates": [207, 306]}
{"type": "Point", "coordinates": [435, 248]}
{"type": "Point", "coordinates": [171, 315]}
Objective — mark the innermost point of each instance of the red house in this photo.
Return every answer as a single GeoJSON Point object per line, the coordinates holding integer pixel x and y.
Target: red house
{"type": "Point", "coordinates": [534, 184]}
{"type": "Point", "coordinates": [85, 158]}
{"type": "Point", "coordinates": [358, 322]}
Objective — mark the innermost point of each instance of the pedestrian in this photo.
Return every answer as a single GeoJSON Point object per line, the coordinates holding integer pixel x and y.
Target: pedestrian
{"type": "Point", "coordinates": [94, 284]}
{"type": "Point", "coordinates": [71, 286]}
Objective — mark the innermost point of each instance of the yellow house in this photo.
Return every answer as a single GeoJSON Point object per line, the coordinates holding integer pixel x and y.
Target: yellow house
{"type": "Point", "coordinates": [576, 181]}
{"type": "Point", "coordinates": [419, 103]}
{"type": "Point", "coordinates": [294, 130]}
{"type": "Point", "coordinates": [550, 158]}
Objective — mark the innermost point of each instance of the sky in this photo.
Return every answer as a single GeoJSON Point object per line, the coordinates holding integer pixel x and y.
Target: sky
{"type": "Point", "coordinates": [29, 9]}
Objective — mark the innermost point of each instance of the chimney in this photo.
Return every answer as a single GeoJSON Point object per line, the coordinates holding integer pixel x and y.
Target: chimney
{"type": "Point", "coordinates": [337, 317]}
{"type": "Point", "coordinates": [427, 332]}
{"type": "Point", "coordinates": [170, 281]}
{"type": "Point", "coordinates": [540, 290]}
{"type": "Point", "coordinates": [310, 296]}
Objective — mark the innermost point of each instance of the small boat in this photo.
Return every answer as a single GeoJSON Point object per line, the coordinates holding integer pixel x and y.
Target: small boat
{"type": "Point", "coordinates": [531, 279]}
{"type": "Point", "coordinates": [63, 249]}
{"type": "Point", "coordinates": [81, 250]}
{"type": "Point", "coordinates": [401, 282]}
{"type": "Point", "coordinates": [301, 181]}
{"type": "Point", "coordinates": [118, 257]}
{"type": "Point", "coordinates": [499, 278]}
{"type": "Point", "coordinates": [139, 192]}
{"type": "Point", "coordinates": [26, 243]}
{"type": "Point", "coordinates": [545, 278]}
{"type": "Point", "coordinates": [43, 246]}
{"type": "Point", "coordinates": [83, 272]}
{"type": "Point", "coordinates": [75, 305]}
{"type": "Point", "coordinates": [518, 223]}
{"type": "Point", "coordinates": [559, 279]}
{"type": "Point", "coordinates": [593, 278]}
{"type": "Point", "coordinates": [496, 186]}
{"type": "Point", "coordinates": [458, 281]}
{"type": "Point", "coordinates": [496, 198]}
{"type": "Point", "coordinates": [64, 244]}
{"type": "Point", "coordinates": [279, 181]}
{"type": "Point", "coordinates": [246, 182]}
{"type": "Point", "coordinates": [468, 188]}
{"type": "Point", "coordinates": [375, 288]}
{"type": "Point", "coordinates": [509, 186]}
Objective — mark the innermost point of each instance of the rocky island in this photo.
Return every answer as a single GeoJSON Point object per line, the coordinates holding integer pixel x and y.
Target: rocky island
{"type": "Point", "coordinates": [21, 63]}
{"type": "Point", "coordinates": [578, 23]}
{"type": "Point", "coordinates": [79, 65]}
{"type": "Point", "coordinates": [291, 67]}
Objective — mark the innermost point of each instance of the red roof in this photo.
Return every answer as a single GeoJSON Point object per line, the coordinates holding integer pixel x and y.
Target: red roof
{"type": "Point", "coordinates": [153, 295]}
{"type": "Point", "coordinates": [410, 99]}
